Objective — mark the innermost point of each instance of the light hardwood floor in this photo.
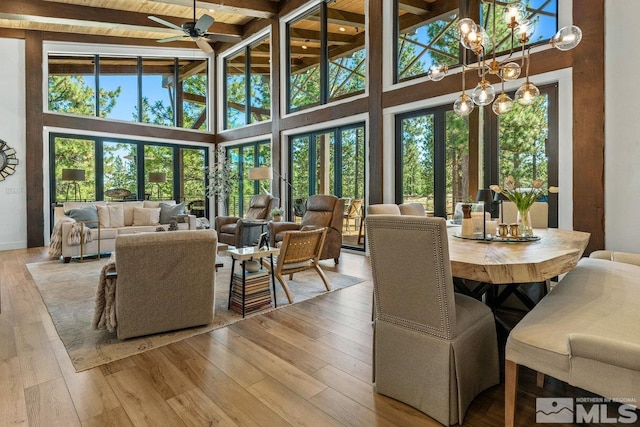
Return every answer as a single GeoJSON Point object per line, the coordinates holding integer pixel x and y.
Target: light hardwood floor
{"type": "Point", "coordinates": [308, 364]}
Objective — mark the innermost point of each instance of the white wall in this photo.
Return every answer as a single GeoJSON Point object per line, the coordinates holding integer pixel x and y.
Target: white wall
{"type": "Point", "coordinates": [622, 126]}
{"type": "Point", "coordinates": [13, 201]}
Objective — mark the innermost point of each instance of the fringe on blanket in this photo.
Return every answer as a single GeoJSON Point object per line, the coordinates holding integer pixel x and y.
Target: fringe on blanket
{"type": "Point", "coordinates": [75, 234]}
{"type": "Point", "coordinates": [104, 315]}
{"type": "Point", "coordinates": [55, 245]}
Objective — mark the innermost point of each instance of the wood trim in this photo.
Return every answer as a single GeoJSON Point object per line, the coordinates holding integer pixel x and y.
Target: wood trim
{"type": "Point", "coordinates": [588, 123]}
{"type": "Point", "coordinates": [351, 108]}
{"type": "Point", "coordinates": [541, 62]}
{"type": "Point", "coordinates": [34, 142]}
{"type": "Point", "coordinates": [257, 129]}
{"type": "Point", "coordinates": [101, 39]}
{"type": "Point", "coordinates": [278, 143]}
{"type": "Point", "coordinates": [474, 152]}
{"type": "Point", "coordinates": [10, 33]}
{"type": "Point", "coordinates": [134, 129]}
{"type": "Point", "coordinates": [374, 105]}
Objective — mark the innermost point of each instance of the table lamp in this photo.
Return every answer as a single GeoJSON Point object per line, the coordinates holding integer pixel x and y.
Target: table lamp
{"type": "Point", "coordinates": [485, 196]}
{"type": "Point", "coordinates": [157, 178]}
{"type": "Point", "coordinates": [72, 176]}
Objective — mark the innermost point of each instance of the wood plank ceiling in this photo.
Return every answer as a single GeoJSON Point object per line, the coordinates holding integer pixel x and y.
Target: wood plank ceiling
{"type": "Point", "coordinates": [128, 20]}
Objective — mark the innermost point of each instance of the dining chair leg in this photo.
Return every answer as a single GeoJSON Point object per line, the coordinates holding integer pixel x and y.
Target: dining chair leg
{"type": "Point", "coordinates": [510, 392]}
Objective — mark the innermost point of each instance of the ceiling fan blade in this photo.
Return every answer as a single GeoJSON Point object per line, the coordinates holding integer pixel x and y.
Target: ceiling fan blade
{"type": "Point", "coordinates": [165, 23]}
{"type": "Point", "coordinates": [172, 39]}
{"type": "Point", "coordinates": [204, 23]}
{"type": "Point", "coordinates": [202, 44]}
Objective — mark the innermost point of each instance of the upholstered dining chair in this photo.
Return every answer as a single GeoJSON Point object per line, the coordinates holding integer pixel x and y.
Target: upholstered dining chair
{"type": "Point", "coordinates": [321, 210]}
{"type": "Point", "coordinates": [232, 229]}
{"type": "Point", "coordinates": [433, 349]}
{"type": "Point", "coordinates": [300, 251]}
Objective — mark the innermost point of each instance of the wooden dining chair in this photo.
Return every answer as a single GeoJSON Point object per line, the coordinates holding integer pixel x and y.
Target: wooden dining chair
{"type": "Point", "coordinates": [300, 251]}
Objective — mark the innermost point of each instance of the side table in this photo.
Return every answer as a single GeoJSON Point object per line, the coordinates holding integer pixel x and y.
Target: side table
{"type": "Point", "coordinates": [256, 298]}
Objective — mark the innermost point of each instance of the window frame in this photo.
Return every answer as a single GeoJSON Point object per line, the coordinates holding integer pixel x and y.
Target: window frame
{"type": "Point", "coordinates": [141, 173]}
{"type": "Point", "coordinates": [247, 48]}
{"type": "Point", "coordinates": [139, 54]}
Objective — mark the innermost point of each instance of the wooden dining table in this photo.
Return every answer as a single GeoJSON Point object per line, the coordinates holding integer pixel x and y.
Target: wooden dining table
{"type": "Point", "coordinates": [478, 267]}
{"type": "Point", "coordinates": [558, 251]}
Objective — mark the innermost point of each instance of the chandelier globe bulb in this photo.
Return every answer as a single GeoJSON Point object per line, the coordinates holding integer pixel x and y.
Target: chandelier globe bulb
{"type": "Point", "coordinates": [567, 38]}
{"type": "Point", "coordinates": [483, 94]}
{"type": "Point", "coordinates": [437, 72]}
{"type": "Point", "coordinates": [502, 105]}
{"type": "Point", "coordinates": [463, 106]}
{"type": "Point", "coordinates": [510, 71]}
{"type": "Point", "coordinates": [527, 93]}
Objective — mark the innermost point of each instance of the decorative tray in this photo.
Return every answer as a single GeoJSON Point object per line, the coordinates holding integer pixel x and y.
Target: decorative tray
{"type": "Point", "coordinates": [499, 239]}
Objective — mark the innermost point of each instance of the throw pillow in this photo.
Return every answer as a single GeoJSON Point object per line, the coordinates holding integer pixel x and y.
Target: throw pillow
{"type": "Point", "coordinates": [88, 213]}
{"type": "Point", "coordinates": [103, 216]}
{"type": "Point", "coordinates": [146, 216]}
{"type": "Point", "coordinates": [168, 212]}
{"type": "Point", "coordinates": [116, 215]}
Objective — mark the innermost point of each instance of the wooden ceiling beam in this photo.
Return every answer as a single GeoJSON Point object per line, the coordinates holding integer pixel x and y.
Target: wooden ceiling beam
{"type": "Point", "coordinates": [69, 14]}
{"type": "Point", "coordinates": [341, 17]}
{"type": "Point", "coordinates": [416, 7]}
{"type": "Point", "coordinates": [254, 8]}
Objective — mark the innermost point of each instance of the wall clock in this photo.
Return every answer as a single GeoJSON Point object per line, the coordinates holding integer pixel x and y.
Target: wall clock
{"type": "Point", "coordinates": [8, 161]}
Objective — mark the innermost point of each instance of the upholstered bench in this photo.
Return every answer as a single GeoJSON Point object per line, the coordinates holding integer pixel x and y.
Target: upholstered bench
{"type": "Point", "coordinates": [585, 332]}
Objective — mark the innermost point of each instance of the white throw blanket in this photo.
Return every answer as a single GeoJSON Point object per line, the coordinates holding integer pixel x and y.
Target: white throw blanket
{"type": "Point", "coordinates": [104, 315]}
{"type": "Point", "coordinates": [55, 245]}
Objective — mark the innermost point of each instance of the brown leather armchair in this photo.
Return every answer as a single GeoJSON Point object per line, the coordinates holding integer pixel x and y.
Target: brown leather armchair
{"type": "Point", "coordinates": [322, 210]}
{"type": "Point", "coordinates": [239, 232]}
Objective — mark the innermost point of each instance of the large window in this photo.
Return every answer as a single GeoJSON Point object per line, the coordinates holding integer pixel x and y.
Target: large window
{"type": "Point", "coordinates": [162, 91]}
{"type": "Point", "coordinates": [432, 152]}
{"type": "Point", "coordinates": [326, 54]}
{"type": "Point", "coordinates": [524, 144]}
{"type": "Point", "coordinates": [247, 85]}
{"type": "Point", "coordinates": [432, 159]}
{"type": "Point", "coordinates": [426, 39]}
{"type": "Point", "coordinates": [242, 158]}
{"type": "Point", "coordinates": [132, 170]}
{"type": "Point", "coordinates": [331, 161]}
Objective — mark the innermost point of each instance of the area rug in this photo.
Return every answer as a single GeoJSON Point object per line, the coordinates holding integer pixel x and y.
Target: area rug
{"type": "Point", "coordinates": [68, 291]}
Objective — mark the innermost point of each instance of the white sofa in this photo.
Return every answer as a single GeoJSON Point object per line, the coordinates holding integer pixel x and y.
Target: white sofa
{"type": "Point", "coordinates": [135, 221]}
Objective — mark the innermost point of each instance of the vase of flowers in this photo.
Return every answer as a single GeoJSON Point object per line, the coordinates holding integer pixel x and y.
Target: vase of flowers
{"type": "Point", "coordinates": [523, 197]}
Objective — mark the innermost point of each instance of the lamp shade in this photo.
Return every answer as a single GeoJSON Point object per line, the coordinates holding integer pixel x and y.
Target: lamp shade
{"type": "Point", "coordinates": [484, 195]}
{"type": "Point", "coordinates": [73, 174]}
{"type": "Point", "coordinates": [263, 172]}
{"type": "Point", "coordinates": [157, 177]}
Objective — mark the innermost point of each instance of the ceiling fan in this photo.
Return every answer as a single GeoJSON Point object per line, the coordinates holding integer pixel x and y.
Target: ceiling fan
{"type": "Point", "coordinates": [195, 30]}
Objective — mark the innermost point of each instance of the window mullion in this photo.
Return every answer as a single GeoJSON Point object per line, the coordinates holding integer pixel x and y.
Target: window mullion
{"type": "Point", "coordinates": [324, 56]}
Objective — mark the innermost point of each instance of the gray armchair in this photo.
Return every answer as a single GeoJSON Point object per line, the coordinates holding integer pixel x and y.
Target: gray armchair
{"type": "Point", "coordinates": [433, 349]}
{"type": "Point", "coordinates": [235, 231]}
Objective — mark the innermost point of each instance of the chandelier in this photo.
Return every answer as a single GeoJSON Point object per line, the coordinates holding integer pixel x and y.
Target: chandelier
{"type": "Point", "coordinates": [476, 42]}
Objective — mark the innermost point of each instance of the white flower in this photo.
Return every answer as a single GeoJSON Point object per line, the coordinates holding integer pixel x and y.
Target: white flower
{"type": "Point", "coordinates": [495, 188]}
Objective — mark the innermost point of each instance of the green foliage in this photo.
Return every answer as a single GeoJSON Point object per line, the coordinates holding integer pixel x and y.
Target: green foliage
{"type": "Point", "coordinates": [71, 94]}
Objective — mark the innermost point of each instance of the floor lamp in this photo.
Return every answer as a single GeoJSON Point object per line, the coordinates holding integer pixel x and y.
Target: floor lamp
{"type": "Point", "coordinates": [158, 178]}
{"type": "Point", "coordinates": [72, 176]}
{"type": "Point", "coordinates": [260, 174]}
